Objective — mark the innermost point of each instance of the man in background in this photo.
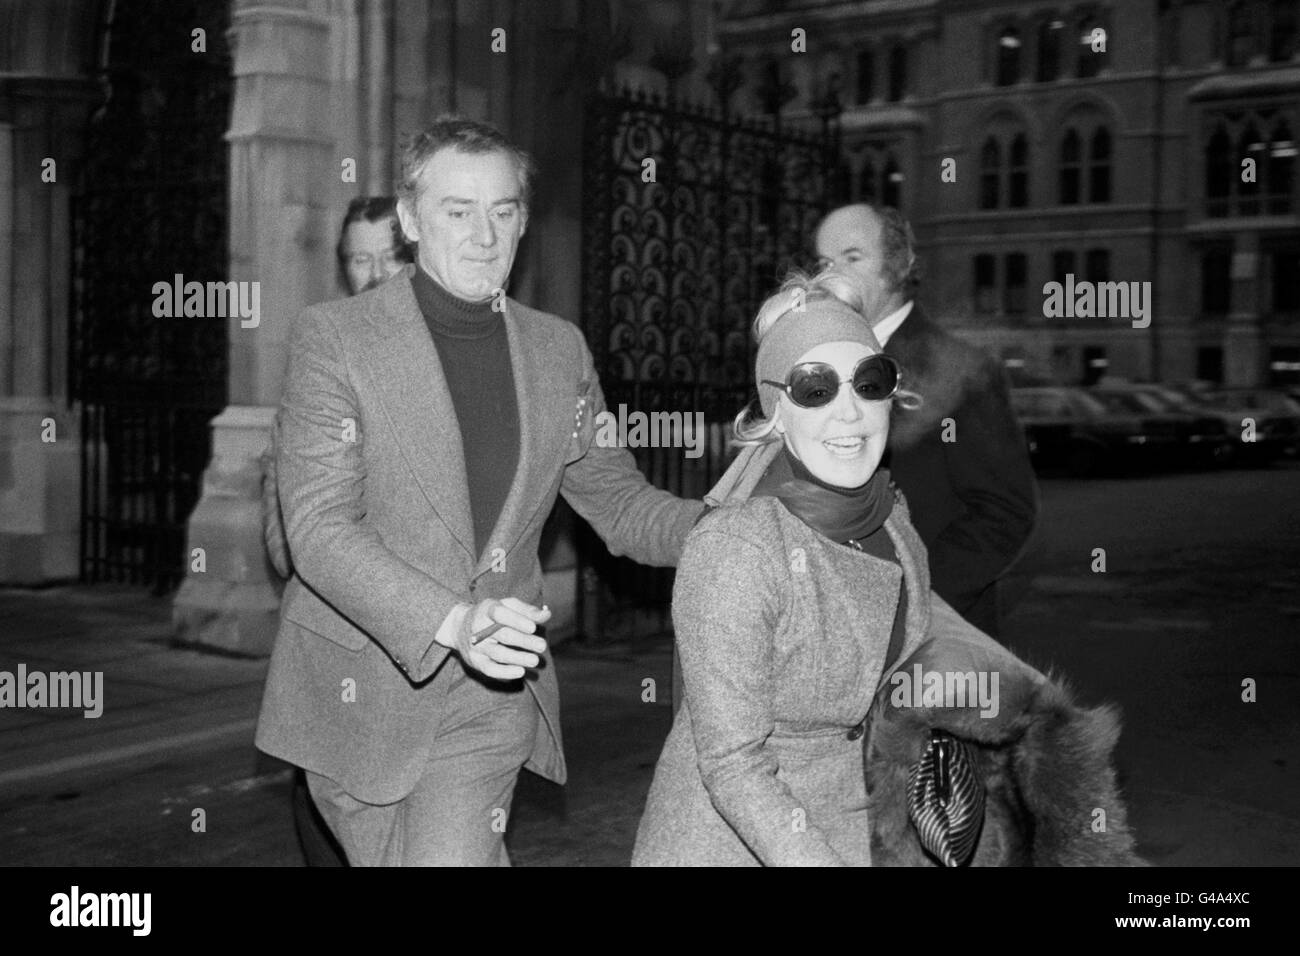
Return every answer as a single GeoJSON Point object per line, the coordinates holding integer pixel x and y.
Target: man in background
{"type": "Point", "coordinates": [961, 458]}
{"type": "Point", "coordinates": [371, 250]}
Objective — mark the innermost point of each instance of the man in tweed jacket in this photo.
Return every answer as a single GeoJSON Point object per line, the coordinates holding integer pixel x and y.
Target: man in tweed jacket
{"type": "Point", "coordinates": [426, 428]}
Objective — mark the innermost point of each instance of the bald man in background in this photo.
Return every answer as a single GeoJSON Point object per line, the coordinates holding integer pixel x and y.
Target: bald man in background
{"type": "Point", "coordinates": [961, 459]}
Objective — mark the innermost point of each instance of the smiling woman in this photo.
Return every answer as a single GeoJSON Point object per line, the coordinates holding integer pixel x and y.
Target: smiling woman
{"type": "Point", "coordinates": [795, 597]}
{"type": "Point", "coordinates": [788, 605]}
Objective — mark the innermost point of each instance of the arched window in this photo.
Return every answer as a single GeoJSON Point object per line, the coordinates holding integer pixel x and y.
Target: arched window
{"type": "Point", "coordinates": [1241, 34]}
{"type": "Point", "coordinates": [1281, 169]}
{"type": "Point", "coordinates": [897, 72]}
{"type": "Point", "coordinates": [1099, 166]}
{"type": "Point", "coordinates": [1070, 172]}
{"type": "Point", "coordinates": [1218, 173]}
{"type": "Point", "coordinates": [986, 283]}
{"type": "Point", "coordinates": [990, 174]}
{"type": "Point", "coordinates": [1281, 45]}
{"type": "Point", "coordinates": [1249, 145]}
{"type": "Point", "coordinates": [892, 187]}
{"type": "Point", "coordinates": [1091, 52]}
{"type": "Point", "coordinates": [1096, 265]}
{"type": "Point", "coordinates": [1018, 179]}
{"type": "Point", "coordinates": [1049, 49]}
{"type": "Point", "coordinates": [1008, 71]}
{"type": "Point", "coordinates": [867, 187]}
{"type": "Point", "coordinates": [1216, 281]}
{"type": "Point", "coordinates": [866, 76]}
{"type": "Point", "coordinates": [1015, 273]}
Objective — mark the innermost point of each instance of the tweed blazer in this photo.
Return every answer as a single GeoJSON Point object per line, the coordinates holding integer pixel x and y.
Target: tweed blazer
{"type": "Point", "coordinates": [371, 479]}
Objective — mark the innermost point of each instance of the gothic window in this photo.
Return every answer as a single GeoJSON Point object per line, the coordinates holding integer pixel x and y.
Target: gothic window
{"type": "Point", "coordinates": [1018, 179]}
{"type": "Point", "coordinates": [1099, 166]}
{"type": "Point", "coordinates": [1091, 53]}
{"type": "Point", "coordinates": [1062, 265]}
{"type": "Point", "coordinates": [1280, 176]}
{"type": "Point", "coordinates": [1241, 34]}
{"type": "Point", "coordinates": [986, 286]}
{"type": "Point", "coordinates": [1285, 266]}
{"type": "Point", "coordinates": [866, 76]}
{"type": "Point", "coordinates": [1070, 168]}
{"type": "Point", "coordinates": [990, 173]}
{"type": "Point", "coordinates": [1008, 69]}
{"type": "Point", "coordinates": [1096, 265]}
{"type": "Point", "coordinates": [1015, 275]}
{"type": "Point", "coordinates": [1218, 173]}
{"type": "Point", "coordinates": [892, 187]}
{"type": "Point", "coordinates": [1049, 49]}
{"type": "Point", "coordinates": [897, 72]}
{"type": "Point", "coordinates": [1249, 146]}
{"type": "Point", "coordinates": [1281, 46]}
{"type": "Point", "coordinates": [867, 187]}
{"type": "Point", "coordinates": [1216, 286]}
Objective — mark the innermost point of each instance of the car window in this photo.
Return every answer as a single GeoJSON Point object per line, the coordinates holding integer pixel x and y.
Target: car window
{"type": "Point", "coordinates": [1087, 405]}
{"type": "Point", "coordinates": [1121, 402]}
{"type": "Point", "coordinates": [1151, 402]}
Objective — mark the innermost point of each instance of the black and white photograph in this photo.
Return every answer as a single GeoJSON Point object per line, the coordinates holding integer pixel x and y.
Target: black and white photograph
{"type": "Point", "coordinates": [651, 433]}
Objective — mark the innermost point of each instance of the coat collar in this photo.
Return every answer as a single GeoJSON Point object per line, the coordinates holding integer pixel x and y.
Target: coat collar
{"type": "Point", "coordinates": [739, 481]}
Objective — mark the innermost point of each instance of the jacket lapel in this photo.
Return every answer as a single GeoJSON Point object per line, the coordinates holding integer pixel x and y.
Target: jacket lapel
{"type": "Point", "coordinates": [545, 410]}
{"type": "Point", "coordinates": [407, 373]}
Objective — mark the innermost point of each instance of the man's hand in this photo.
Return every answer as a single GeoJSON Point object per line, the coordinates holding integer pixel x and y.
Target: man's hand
{"type": "Point", "coordinates": [510, 648]}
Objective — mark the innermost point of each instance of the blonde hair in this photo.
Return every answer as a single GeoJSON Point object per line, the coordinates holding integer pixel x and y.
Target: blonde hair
{"type": "Point", "coordinates": [750, 427]}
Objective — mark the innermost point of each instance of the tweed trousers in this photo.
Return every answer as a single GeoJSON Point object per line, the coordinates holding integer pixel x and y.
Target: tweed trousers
{"type": "Point", "coordinates": [458, 812]}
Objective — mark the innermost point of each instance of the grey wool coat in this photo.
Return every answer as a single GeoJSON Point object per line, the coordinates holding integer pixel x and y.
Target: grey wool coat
{"type": "Point", "coordinates": [783, 636]}
{"type": "Point", "coordinates": [381, 537]}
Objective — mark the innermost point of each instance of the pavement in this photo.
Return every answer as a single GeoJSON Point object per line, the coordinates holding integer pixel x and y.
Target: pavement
{"type": "Point", "coordinates": [1201, 592]}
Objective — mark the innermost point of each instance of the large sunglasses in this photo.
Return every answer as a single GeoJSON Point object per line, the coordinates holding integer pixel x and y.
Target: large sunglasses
{"type": "Point", "coordinates": [814, 384]}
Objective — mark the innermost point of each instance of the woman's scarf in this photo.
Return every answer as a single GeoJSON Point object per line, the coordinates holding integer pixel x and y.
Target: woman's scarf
{"type": "Point", "coordinates": [841, 514]}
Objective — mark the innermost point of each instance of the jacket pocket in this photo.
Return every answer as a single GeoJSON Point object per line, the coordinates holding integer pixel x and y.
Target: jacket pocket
{"type": "Point", "coordinates": [309, 612]}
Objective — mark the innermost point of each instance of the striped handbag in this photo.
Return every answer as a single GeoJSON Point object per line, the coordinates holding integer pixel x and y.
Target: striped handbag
{"type": "Point", "coordinates": [945, 799]}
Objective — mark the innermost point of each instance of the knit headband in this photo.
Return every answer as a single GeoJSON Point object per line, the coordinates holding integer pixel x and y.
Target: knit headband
{"type": "Point", "coordinates": [794, 333]}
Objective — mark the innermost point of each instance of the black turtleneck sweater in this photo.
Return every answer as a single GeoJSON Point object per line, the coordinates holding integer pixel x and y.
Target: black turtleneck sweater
{"type": "Point", "coordinates": [475, 352]}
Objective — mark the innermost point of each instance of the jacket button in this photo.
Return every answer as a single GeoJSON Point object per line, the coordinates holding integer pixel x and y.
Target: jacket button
{"type": "Point", "coordinates": [856, 730]}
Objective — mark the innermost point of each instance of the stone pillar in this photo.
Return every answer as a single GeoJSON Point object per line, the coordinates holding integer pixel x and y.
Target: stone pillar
{"type": "Point", "coordinates": [44, 99]}
{"type": "Point", "coordinates": [285, 183]}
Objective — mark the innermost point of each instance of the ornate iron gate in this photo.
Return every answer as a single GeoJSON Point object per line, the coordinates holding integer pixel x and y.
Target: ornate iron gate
{"type": "Point", "coordinates": [151, 204]}
{"type": "Point", "coordinates": [690, 219]}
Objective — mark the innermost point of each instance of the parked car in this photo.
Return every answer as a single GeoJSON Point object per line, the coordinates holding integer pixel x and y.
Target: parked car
{"type": "Point", "coordinates": [1068, 428]}
{"type": "Point", "coordinates": [1203, 437]}
{"type": "Point", "coordinates": [1275, 415]}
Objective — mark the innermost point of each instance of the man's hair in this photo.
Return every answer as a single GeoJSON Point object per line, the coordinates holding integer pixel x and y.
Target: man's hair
{"type": "Point", "coordinates": [898, 251]}
{"type": "Point", "coordinates": [468, 136]}
{"type": "Point", "coordinates": [375, 209]}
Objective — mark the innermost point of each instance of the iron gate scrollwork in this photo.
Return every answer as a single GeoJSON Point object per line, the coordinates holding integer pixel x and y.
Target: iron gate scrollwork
{"type": "Point", "coordinates": [151, 204]}
{"type": "Point", "coordinates": [690, 220]}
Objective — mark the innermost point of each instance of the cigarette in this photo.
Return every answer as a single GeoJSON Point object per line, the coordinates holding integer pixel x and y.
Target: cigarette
{"type": "Point", "coordinates": [486, 632]}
